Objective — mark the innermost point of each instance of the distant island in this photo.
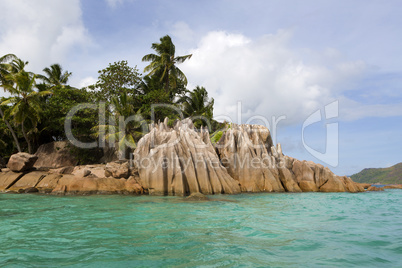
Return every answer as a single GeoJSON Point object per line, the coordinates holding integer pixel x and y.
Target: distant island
{"type": "Point", "coordinates": [391, 175]}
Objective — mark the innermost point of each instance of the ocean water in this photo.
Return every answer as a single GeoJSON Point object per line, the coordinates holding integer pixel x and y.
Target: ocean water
{"type": "Point", "coordinates": [247, 230]}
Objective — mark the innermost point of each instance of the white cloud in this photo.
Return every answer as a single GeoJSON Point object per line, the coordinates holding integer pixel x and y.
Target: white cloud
{"type": "Point", "coordinates": [267, 76]}
{"type": "Point", "coordinates": [42, 32]}
{"type": "Point", "coordinates": [87, 81]}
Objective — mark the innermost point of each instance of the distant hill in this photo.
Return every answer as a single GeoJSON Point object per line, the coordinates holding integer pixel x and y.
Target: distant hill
{"type": "Point", "coordinates": [391, 175]}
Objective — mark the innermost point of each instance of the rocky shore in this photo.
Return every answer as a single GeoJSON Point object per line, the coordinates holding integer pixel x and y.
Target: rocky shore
{"type": "Point", "coordinates": [181, 161]}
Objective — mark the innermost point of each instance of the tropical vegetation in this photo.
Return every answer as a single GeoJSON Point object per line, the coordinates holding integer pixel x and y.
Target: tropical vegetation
{"type": "Point", "coordinates": [37, 105]}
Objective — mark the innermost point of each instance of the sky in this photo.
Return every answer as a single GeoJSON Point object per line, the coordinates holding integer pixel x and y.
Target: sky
{"type": "Point", "coordinates": [324, 76]}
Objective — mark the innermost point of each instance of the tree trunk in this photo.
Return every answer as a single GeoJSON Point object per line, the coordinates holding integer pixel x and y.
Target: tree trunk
{"type": "Point", "coordinates": [26, 138]}
{"type": "Point", "coordinates": [167, 82]}
{"type": "Point", "coordinates": [17, 144]}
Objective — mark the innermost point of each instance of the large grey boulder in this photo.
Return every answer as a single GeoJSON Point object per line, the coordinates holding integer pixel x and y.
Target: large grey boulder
{"type": "Point", "coordinates": [21, 162]}
{"type": "Point", "coordinates": [55, 155]}
{"type": "Point", "coordinates": [181, 161]}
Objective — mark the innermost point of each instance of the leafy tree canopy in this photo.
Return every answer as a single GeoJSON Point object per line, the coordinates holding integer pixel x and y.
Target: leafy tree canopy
{"type": "Point", "coordinates": [116, 79]}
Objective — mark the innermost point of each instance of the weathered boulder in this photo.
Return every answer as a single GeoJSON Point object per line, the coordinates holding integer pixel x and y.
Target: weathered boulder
{"type": "Point", "coordinates": [333, 184]}
{"type": "Point", "coordinates": [97, 170]}
{"type": "Point", "coordinates": [117, 169]}
{"type": "Point", "coordinates": [350, 185]}
{"type": "Point", "coordinates": [245, 151]}
{"type": "Point", "coordinates": [55, 155]}
{"type": "Point", "coordinates": [181, 161]}
{"type": "Point", "coordinates": [250, 157]}
{"type": "Point", "coordinates": [62, 170]}
{"type": "Point", "coordinates": [288, 181]}
{"type": "Point", "coordinates": [197, 197]}
{"type": "Point", "coordinates": [304, 176]}
{"type": "Point", "coordinates": [133, 186]}
{"type": "Point", "coordinates": [364, 185]}
{"type": "Point", "coordinates": [374, 188]}
{"type": "Point", "coordinates": [21, 162]}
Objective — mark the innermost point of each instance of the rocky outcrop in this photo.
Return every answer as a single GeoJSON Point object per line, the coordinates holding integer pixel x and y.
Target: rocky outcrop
{"type": "Point", "coordinates": [117, 169]}
{"type": "Point", "coordinates": [21, 162]}
{"type": "Point", "coordinates": [364, 185]}
{"type": "Point", "coordinates": [27, 182]}
{"type": "Point", "coordinates": [248, 154]}
{"type": "Point", "coordinates": [66, 184]}
{"type": "Point", "coordinates": [7, 179]}
{"type": "Point", "coordinates": [98, 171]}
{"type": "Point", "coordinates": [70, 184]}
{"type": "Point", "coordinates": [245, 152]}
{"type": "Point", "coordinates": [304, 176]}
{"type": "Point", "coordinates": [55, 155]}
{"type": "Point", "coordinates": [393, 186]}
{"type": "Point", "coordinates": [197, 197]}
{"type": "Point", "coordinates": [48, 183]}
{"type": "Point", "coordinates": [375, 189]}
{"type": "Point", "coordinates": [181, 161]}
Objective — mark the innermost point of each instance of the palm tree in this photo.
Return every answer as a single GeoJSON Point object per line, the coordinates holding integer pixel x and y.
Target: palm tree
{"type": "Point", "coordinates": [163, 63]}
{"type": "Point", "coordinates": [198, 104]}
{"type": "Point", "coordinates": [55, 76]}
{"type": "Point", "coordinates": [4, 71]}
{"type": "Point", "coordinates": [125, 133]}
{"type": "Point", "coordinates": [17, 65]}
{"type": "Point", "coordinates": [25, 100]}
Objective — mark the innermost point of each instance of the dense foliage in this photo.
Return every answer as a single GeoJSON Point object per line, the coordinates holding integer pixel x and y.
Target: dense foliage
{"type": "Point", "coordinates": [121, 103]}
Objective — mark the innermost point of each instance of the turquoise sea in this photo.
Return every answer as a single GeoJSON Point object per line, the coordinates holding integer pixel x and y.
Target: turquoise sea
{"type": "Point", "coordinates": [247, 230]}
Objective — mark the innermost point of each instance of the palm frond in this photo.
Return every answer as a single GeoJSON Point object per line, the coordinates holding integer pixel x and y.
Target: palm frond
{"type": "Point", "coordinates": [181, 59]}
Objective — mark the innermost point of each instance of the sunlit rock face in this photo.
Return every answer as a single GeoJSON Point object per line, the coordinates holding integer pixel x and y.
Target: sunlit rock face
{"type": "Point", "coordinates": [21, 162]}
{"type": "Point", "coordinates": [248, 154]}
{"type": "Point", "coordinates": [245, 151]}
{"type": "Point", "coordinates": [181, 161]}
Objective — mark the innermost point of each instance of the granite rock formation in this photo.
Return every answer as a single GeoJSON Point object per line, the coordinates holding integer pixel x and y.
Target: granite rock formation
{"type": "Point", "coordinates": [55, 155]}
{"type": "Point", "coordinates": [21, 162]}
{"type": "Point", "coordinates": [250, 157]}
{"type": "Point", "coordinates": [117, 169]}
{"type": "Point", "coordinates": [375, 189]}
{"type": "Point", "coordinates": [181, 161]}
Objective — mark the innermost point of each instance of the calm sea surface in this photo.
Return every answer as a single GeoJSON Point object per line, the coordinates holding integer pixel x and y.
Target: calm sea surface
{"type": "Point", "coordinates": [248, 230]}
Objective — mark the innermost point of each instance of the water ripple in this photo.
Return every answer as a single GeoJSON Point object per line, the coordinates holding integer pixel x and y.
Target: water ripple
{"type": "Point", "coordinates": [258, 230]}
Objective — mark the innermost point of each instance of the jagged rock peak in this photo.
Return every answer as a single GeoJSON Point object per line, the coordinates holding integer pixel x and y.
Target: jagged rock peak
{"type": "Point", "coordinates": [248, 154]}
{"type": "Point", "coordinates": [181, 161]}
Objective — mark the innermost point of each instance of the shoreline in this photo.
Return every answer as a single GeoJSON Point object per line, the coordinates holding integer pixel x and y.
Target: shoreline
{"type": "Point", "coordinates": [181, 161]}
